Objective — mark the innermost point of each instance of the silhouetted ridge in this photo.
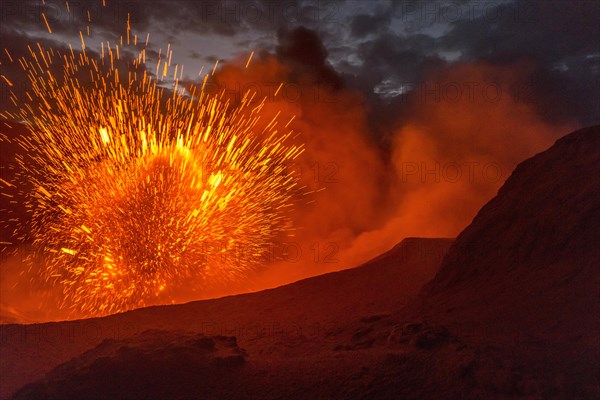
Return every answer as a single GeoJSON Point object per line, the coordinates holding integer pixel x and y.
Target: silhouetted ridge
{"type": "Point", "coordinates": [547, 213]}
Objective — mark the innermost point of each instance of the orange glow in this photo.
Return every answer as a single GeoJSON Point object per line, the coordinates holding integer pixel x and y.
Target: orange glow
{"type": "Point", "coordinates": [139, 192]}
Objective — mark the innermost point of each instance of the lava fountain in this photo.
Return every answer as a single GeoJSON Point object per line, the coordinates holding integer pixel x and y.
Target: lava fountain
{"type": "Point", "coordinates": [137, 191]}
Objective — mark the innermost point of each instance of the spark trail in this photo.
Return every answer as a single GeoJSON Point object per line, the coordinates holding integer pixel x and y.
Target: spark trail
{"type": "Point", "coordinates": [138, 190]}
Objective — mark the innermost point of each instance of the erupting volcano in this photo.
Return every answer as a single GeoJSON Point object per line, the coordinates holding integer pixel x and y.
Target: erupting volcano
{"type": "Point", "coordinates": [350, 200]}
{"type": "Point", "coordinates": [136, 192]}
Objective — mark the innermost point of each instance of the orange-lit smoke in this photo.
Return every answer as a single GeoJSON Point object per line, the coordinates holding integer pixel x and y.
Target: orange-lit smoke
{"type": "Point", "coordinates": [341, 164]}
{"type": "Point", "coordinates": [454, 152]}
{"type": "Point", "coordinates": [450, 151]}
{"type": "Point", "coordinates": [467, 128]}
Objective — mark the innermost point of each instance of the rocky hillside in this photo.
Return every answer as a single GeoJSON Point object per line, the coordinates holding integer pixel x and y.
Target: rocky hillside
{"type": "Point", "coordinates": [547, 213]}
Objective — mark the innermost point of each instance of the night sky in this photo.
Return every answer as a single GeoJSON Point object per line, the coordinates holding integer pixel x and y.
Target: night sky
{"type": "Point", "coordinates": [384, 49]}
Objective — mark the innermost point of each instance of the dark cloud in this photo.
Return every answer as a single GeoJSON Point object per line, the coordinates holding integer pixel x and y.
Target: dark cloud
{"type": "Point", "coordinates": [364, 24]}
{"type": "Point", "coordinates": [406, 54]}
{"type": "Point", "coordinates": [303, 50]}
{"type": "Point", "coordinates": [380, 48]}
{"type": "Point", "coordinates": [559, 37]}
{"type": "Point", "coordinates": [547, 31]}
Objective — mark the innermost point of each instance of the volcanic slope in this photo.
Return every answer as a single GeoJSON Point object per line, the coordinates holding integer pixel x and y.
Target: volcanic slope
{"type": "Point", "coordinates": [293, 334]}
{"type": "Point", "coordinates": [511, 313]}
{"type": "Point", "coordinates": [524, 278]}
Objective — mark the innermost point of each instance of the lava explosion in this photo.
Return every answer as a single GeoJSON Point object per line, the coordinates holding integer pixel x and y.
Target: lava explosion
{"type": "Point", "coordinates": [137, 191]}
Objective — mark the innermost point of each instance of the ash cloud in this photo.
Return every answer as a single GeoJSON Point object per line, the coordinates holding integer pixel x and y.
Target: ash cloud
{"type": "Point", "coordinates": [445, 146]}
{"type": "Point", "coordinates": [560, 38]}
{"type": "Point", "coordinates": [379, 47]}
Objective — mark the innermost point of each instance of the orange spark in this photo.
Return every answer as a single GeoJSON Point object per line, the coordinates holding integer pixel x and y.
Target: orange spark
{"type": "Point", "coordinates": [139, 191]}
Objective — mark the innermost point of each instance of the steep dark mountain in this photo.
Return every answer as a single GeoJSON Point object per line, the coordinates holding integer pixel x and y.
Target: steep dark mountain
{"type": "Point", "coordinates": [547, 213]}
{"type": "Point", "coordinates": [531, 256]}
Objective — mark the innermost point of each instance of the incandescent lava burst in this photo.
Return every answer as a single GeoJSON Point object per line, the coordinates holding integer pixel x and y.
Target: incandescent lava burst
{"type": "Point", "coordinates": [137, 191]}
